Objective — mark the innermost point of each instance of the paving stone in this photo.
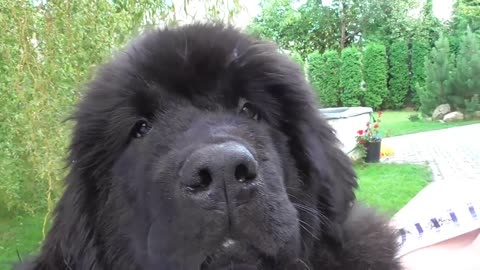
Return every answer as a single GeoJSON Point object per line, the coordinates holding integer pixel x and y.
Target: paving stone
{"type": "Point", "coordinates": [452, 154]}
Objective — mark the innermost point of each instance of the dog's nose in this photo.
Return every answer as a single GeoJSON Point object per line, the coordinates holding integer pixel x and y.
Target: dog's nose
{"type": "Point", "coordinates": [223, 172]}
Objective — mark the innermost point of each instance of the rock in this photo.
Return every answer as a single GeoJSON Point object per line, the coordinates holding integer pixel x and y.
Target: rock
{"type": "Point", "coordinates": [441, 111]}
{"type": "Point", "coordinates": [453, 116]}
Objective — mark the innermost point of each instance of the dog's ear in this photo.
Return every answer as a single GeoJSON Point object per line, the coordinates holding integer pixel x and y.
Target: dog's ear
{"type": "Point", "coordinates": [323, 167]}
{"type": "Point", "coordinates": [325, 170]}
{"type": "Point", "coordinates": [329, 171]}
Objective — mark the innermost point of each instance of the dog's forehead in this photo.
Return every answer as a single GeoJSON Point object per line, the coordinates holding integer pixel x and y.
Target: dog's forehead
{"type": "Point", "coordinates": [188, 62]}
{"type": "Point", "coordinates": [207, 67]}
{"type": "Point", "coordinates": [201, 69]}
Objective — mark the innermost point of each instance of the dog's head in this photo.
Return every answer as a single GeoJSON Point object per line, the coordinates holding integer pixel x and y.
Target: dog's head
{"type": "Point", "coordinates": [202, 148]}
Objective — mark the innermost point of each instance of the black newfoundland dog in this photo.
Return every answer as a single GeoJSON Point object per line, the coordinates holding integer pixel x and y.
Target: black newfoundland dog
{"type": "Point", "coordinates": [201, 148]}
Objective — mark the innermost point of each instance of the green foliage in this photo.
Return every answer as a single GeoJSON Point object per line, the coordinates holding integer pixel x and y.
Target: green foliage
{"type": "Point", "coordinates": [48, 51]}
{"type": "Point", "coordinates": [399, 78]}
{"type": "Point", "coordinates": [437, 82]}
{"type": "Point", "coordinates": [324, 75]}
{"type": "Point", "coordinates": [420, 50]}
{"type": "Point", "coordinates": [278, 22]}
{"type": "Point", "coordinates": [465, 80]}
{"type": "Point", "coordinates": [351, 77]}
{"type": "Point", "coordinates": [375, 72]}
{"type": "Point", "coordinates": [465, 13]}
{"type": "Point", "coordinates": [427, 27]}
{"type": "Point", "coordinates": [316, 27]}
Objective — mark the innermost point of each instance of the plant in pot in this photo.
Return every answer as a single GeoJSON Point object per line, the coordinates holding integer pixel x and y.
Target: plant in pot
{"type": "Point", "coordinates": [369, 140]}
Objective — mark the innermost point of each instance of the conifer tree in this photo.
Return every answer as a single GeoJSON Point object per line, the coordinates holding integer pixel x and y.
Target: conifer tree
{"type": "Point", "coordinates": [438, 67]}
{"type": "Point", "coordinates": [465, 80]}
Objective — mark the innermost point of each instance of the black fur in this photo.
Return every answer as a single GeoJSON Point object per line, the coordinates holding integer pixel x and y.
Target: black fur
{"type": "Point", "coordinates": [125, 206]}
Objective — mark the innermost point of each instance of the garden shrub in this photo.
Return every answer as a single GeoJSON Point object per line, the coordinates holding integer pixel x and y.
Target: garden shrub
{"type": "Point", "coordinates": [399, 81]}
{"type": "Point", "coordinates": [414, 117]}
{"type": "Point", "coordinates": [351, 77]}
{"type": "Point", "coordinates": [375, 72]}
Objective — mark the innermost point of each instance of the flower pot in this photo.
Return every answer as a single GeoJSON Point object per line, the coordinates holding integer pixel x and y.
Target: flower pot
{"type": "Point", "coordinates": [373, 151]}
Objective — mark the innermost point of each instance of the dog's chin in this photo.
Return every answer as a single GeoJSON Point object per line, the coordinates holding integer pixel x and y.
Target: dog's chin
{"type": "Point", "coordinates": [232, 254]}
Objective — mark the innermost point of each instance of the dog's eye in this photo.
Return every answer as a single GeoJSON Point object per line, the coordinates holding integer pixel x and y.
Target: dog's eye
{"type": "Point", "coordinates": [141, 129]}
{"type": "Point", "coordinates": [248, 110]}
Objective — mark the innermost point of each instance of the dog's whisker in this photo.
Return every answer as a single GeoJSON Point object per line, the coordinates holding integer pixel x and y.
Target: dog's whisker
{"type": "Point", "coordinates": [305, 264]}
{"type": "Point", "coordinates": [303, 224]}
{"type": "Point", "coordinates": [295, 197]}
{"type": "Point", "coordinates": [311, 211]}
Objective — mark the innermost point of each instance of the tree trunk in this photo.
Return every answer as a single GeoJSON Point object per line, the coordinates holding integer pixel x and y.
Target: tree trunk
{"type": "Point", "coordinates": [343, 25]}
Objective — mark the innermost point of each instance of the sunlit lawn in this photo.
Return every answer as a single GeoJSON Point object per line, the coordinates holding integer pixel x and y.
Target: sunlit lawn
{"type": "Point", "coordinates": [19, 234]}
{"type": "Point", "coordinates": [390, 186]}
{"type": "Point", "coordinates": [397, 123]}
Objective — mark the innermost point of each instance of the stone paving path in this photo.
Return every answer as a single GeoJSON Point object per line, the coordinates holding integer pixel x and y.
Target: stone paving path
{"type": "Point", "coordinates": [452, 154]}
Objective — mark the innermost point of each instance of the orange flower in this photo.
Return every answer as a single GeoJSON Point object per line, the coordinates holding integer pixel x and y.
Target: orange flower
{"type": "Point", "coordinates": [380, 113]}
{"type": "Point", "coordinates": [376, 126]}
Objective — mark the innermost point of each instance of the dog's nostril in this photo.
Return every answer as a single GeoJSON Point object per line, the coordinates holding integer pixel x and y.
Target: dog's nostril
{"type": "Point", "coordinates": [243, 174]}
{"type": "Point", "coordinates": [203, 181]}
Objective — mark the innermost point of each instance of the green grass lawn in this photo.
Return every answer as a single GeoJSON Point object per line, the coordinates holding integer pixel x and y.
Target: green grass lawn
{"type": "Point", "coordinates": [399, 124]}
{"type": "Point", "coordinates": [386, 186]}
{"type": "Point", "coordinates": [390, 186]}
{"type": "Point", "coordinates": [20, 234]}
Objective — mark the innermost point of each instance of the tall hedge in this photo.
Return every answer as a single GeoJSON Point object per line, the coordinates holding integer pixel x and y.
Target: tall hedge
{"type": "Point", "coordinates": [297, 57]}
{"type": "Point", "coordinates": [324, 75]}
{"type": "Point", "coordinates": [351, 77]}
{"type": "Point", "coordinates": [420, 50]}
{"type": "Point", "coordinates": [399, 81]}
{"type": "Point", "coordinates": [315, 65]}
{"type": "Point", "coordinates": [375, 72]}
{"type": "Point", "coordinates": [38, 82]}
{"type": "Point", "coordinates": [49, 50]}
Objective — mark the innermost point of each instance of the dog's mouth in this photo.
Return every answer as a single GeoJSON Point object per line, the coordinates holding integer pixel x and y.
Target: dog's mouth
{"type": "Point", "coordinates": [233, 254]}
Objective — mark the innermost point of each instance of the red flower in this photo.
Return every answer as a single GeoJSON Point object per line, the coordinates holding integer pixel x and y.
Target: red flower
{"type": "Point", "coordinates": [362, 142]}
{"type": "Point", "coordinates": [360, 132]}
{"type": "Point", "coordinates": [376, 126]}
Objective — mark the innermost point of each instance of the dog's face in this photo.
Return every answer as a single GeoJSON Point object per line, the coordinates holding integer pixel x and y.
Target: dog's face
{"type": "Point", "coordinates": [203, 149]}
